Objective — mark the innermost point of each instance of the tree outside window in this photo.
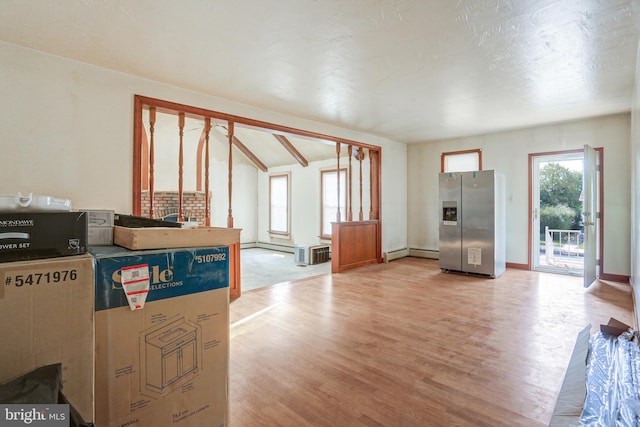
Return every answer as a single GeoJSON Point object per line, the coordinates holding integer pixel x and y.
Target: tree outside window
{"type": "Point", "coordinates": [560, 198]}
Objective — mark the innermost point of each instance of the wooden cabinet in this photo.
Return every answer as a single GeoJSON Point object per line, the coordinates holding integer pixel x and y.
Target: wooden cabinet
{"type": "Point", "coordinates": [355, 244]}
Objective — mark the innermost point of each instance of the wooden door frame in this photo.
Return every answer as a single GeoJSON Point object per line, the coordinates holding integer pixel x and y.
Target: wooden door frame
{"type": "Point", "coordinates": [600, 261]}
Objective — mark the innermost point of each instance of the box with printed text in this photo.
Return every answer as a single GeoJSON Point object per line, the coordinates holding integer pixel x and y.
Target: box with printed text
{"type": "Point", "coordinates": [99, 227]}
{"type": "Point", "coordinates": [167, 362]}
{"type": "Point", "coordinates": [47, 313]}
{"type": "Point", "coordinates": [37, 235]}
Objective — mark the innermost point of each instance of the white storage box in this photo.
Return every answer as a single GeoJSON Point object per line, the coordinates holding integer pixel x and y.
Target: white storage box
{"type": "Point", "coordinates": [100, 227]}
{"type": "Point", "coordinates": [31, 203]}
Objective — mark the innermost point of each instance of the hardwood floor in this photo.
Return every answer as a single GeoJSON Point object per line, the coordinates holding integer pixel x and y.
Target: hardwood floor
{"type": "Point", "coordinates": [403, 344]}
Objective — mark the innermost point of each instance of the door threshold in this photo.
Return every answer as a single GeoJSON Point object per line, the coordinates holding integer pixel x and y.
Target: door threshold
{"type": "Point", "coordinates": [556, 270]}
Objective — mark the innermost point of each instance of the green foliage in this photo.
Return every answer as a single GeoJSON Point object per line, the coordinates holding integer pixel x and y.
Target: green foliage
{"type": "Point", "coordinates": [560, 204]}
{"type": "Point", "coordinates": [558, 217]}
{"type": "Point", "coordinates": [559, 185]}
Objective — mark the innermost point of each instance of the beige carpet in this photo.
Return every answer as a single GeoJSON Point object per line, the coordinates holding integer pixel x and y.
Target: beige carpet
{"type": "Point", "coordinates": [263, 267]}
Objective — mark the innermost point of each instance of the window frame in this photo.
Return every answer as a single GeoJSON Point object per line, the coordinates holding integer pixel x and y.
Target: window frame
{"type": "Point", "coordinates": [444, 156]}
{"type": "Point", "coordinates": [287, 232]}
{"type": "Point", "coordinates": [343, 208]}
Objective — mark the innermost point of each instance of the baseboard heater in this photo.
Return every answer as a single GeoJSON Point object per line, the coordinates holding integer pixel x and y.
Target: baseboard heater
{"type": "Point", "coordinates": [393, 255]}
{"type": "Point", "coordinates": [424, 253]}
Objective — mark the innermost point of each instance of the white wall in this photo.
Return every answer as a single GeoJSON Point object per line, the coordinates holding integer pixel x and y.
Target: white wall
{"type": "Point", "coordinates": [67, 130]}
{"type": "Point", "coordinates": [507, 152]}
{"type": "Point", "coordinates": [305, 200]}
{"type": "Point", "coordinates": [635, 190]}
{"type": "Point", "coordinates": [166, 137]}
{"type": "Point", "coordinates": [305, 194]}
{"type": "Point", "coordinates": [244, 191]}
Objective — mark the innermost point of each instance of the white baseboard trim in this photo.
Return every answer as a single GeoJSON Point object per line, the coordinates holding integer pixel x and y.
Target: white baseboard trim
{"type": "Point", "coordinates": [272, 246]}
{"type": "Point", "coordinates": [424, 253]}
{"type": "Point", "coordinates": [393, 255]}
{"type": "Point", "coordinates": [275, 247]}
{"type": "Point", "coordinates": [386, 256]}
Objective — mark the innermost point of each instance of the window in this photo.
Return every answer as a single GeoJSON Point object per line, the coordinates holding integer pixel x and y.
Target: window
{"type": "Point", "coordinates": [279, 204]}
{"type": "Point", "coordinates": [329, 200]}
{"type": "Point", "coordinates": [461, 161]}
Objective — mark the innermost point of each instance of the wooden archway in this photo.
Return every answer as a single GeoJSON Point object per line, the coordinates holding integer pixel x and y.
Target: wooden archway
{"type": "Point", "coordinates": [344, 257]}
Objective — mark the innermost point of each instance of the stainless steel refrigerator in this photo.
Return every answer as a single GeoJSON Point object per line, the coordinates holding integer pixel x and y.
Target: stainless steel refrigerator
{"type": "Point", "coordinates": [472, 222]}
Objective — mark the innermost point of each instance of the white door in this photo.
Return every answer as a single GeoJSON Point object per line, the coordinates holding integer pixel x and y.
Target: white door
{"type": "Point", "coordinates": [546, 254]}
{"type": "Point", "coordinates": [589, 214]}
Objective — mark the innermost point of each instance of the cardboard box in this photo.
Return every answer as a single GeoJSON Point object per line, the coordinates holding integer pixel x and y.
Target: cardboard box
{"type": "Point", "coordinates": [100, 227]}
{"type": "Point", "coordinates": [570, 401]}
{"type": "Point", "coordinates": [47, 312]}
{"type": "Point", "coordinates": [36, 235]}
{"type": "Point", "coordinates": [158, 237]}
{"type": "Point", "coordinates": [167, 363]}
{"type": "Point", "coordinates": [614, 327]}
{"type": "Point", "coordinates": [100, 236]}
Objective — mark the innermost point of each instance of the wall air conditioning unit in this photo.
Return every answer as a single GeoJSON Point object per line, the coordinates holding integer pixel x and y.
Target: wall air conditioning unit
{"type": "Point", "coordinates": [319, 254]}
{"type": "Point", "coordinates": [301, 255]}
{"type": "Point", "coordinates": [309, 255]}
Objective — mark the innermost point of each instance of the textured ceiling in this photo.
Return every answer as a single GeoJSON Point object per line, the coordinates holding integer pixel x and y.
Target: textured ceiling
{"type": "Point", "coordinates": [411, 71]}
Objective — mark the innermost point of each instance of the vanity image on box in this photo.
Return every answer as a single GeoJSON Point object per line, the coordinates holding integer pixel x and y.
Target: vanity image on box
{"type": "Point", "coordinates": [170, 355]}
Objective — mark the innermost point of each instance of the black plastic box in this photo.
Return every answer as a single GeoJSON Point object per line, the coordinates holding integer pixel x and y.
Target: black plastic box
{"type": "Point", "coordinates": [35, 235]}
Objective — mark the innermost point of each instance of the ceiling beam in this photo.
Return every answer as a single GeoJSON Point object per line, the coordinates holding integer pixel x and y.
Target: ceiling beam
{"type": "Point", "coordinates": [196, 112]}
{"type": "Point", "coordinates": [291, 149]}
{"type": "Point", "coordinates": [256, 161]}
